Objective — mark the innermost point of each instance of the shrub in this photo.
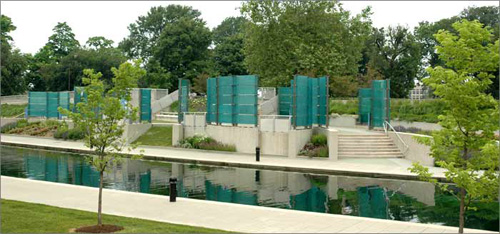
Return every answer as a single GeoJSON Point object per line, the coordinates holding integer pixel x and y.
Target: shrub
{"type": "Point", "coordinates": [317, 147]}
{"type": "Point", "coordinates": [319, 140]}
{"type": "Point", "coordinates": [322, 152]}
{"type": "Point", "coordinates": [205, 143]}
{"type": "Point", "coordinates": [75, 134]}
{"type": "Point", "coordinates": [69, 134]}
{"type": "Point", "coordinates": [7, 127]}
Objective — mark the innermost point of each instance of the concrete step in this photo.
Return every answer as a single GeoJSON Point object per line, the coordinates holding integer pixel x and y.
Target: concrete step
{"type": "Point", "coordinates": [366, 142]}
{"type": "Point", "coordinates": [363, 136]}
{"type": "Point", "coordinates": [369, 156]}
{"type": "Point", "coordinates": [369, 150]}
{"type": "Point", "coordinates": [391, 153]}
{"type": "Point", "coordinates": [365, 145]}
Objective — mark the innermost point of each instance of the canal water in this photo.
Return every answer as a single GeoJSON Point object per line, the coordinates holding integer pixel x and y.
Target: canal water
{"type": "Point", "coordinates": [404, 200]}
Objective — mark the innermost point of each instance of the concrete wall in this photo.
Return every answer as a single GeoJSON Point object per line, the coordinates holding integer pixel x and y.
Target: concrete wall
{"type": "Point", "coordinates": [164, 102]}
{"type": "Point", "coordinates": [269, 107]}
{"type": "Point", "coordinates": [297, 139]}
{"type": "Point", "coordinates": [422, 125]}
{"type": "Point", "coordinates": [274, 143]}
{"type": "Point", "coordinates": [14, 99]}
{"type": "Point", "coordinates": [134, 131]}
{"type": "Point", "coordinates": [416, 152]}
{"type": "Point", "coordinates": [342, 121]}
{"type": "Point", "coordinates": [274, 124]}
{"type": "Point", "coordinates": [244, 138]}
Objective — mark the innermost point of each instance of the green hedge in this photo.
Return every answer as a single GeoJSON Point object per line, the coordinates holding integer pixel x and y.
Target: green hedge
{"type": "Point", "coordinates": [401, 109]}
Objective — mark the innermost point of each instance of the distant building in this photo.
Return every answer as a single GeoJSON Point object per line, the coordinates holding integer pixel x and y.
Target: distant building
{"type": "Point", "coordinates": [420, 91]}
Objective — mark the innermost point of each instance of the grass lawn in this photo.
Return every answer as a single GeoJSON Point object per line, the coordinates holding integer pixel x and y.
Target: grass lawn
{"type": "Point", "coordinates": [22, 217]}
{"type": "Point", "coordinates": [157, 136]}
{"type": "Point", "coordinates": [12, 110]}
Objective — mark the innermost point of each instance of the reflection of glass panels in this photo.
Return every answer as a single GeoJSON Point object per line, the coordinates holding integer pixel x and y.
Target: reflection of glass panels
{"type": "Point", "coordinates": [145, 182]}
{"type": "Point", "coordinates": [62, 170]}
{"type": "Point", "coordinates": [51, 169]}
{"type": "Point", "coordinates": [35, 166]}
{"type": "Point", "coordinates": [90, 176]}
{"type": "Point", "coordinates": [372, 202]}
{"type": "Point", "coordinates": [311, 200]}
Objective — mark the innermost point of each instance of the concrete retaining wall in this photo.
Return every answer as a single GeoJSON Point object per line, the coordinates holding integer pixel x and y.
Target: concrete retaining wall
{"type": "Point", "coordinates": [134, 131]}
{"type": "Point", "coordinates": [274, 125]}
{"type": "Point", "coordinates": [342, 121]}
{"type": "Point", "coordinates": [416, 152]}
{"type": "Point", "coordinates": [422, 125]}
{"type": "Point", "coordinates": [14, 99]}
{"type": "Point", "coordinates": [274, 143]}
{"type": "Point", "coordinates": [297, 139]}
{"type": "Point", "coordinates": [244, 138]}
{"type": "Point", "coordinates": [166, 101]}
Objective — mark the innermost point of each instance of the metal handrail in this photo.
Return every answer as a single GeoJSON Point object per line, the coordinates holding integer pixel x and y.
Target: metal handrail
{"type": "Point", "coordinates": [386, 123]}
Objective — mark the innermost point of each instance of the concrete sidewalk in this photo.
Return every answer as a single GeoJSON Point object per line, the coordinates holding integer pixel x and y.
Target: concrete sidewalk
{"type": "Point", "coordinates": [209, 214]}
{"type": "Point", "coordinates": [394, 168]}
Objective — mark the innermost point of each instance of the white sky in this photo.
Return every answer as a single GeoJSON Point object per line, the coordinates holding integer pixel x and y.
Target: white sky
{"type": "Point", "coordinates": [35, 20]}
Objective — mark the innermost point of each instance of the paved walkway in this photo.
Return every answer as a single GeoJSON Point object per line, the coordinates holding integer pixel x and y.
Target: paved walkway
{"type": "Point", "coordinates": [396, 168]}
{"type": "Point", "coordinates": [209, 214]}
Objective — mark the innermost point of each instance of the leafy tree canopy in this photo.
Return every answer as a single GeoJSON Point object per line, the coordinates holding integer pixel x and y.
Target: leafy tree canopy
{"type": "Point", "coordinates": [60, 44]}
{"type": "Point", "coordinates": [396, 55]}
{"type": "Point", "coordinates": [313, 38]}
{"type": "Point", "coordinates": [174, 38]}
{"type": "Point", "coordinates": [466, 146]}
{"type": "Point", "coordinates": [228, 54]}
{"type": "Point", "coordinates": [13, 63]}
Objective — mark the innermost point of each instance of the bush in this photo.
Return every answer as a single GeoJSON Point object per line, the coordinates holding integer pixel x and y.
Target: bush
{"type": "Point", "coordinates": [69, 134]}
{"type": "Point", "coordinates": [7, 127]}
{"type": "Point", "coordinates": [205, 143]}
{"type": "Point", "coordinates": [317, 147]}
{"type": "Point", "coordinates": [75, 134]}
{"type": "Point", "coordinates": [401, 109]}
{"type": "Point", "coordinates": [198, 104]}
{"type": "Point", "coordinates": [319, 140]}
{"type": "Point", "coordinates": [11, 110]}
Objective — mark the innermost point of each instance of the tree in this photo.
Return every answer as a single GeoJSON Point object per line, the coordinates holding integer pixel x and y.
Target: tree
{"type": "Point", "coordinates": [98, 54]}
{"type": "Point", "coordinates": [99, 42]}
{"type": "Point", "coordinates": [228, 40]}
{"type": "Point", "coordinates": [103, 117]}
{"type": "Point", "coordinates": [13, 63]}
{"type": "Point", "coordinates": [487, 15]}
{"type": "Point", "coordinates": [318, 38]}
{"type": "Point", "coordinates": [396, 55]}
{"type": "Point", "coordinates": [173, 37]}
{"type": "Point", "coordinates": [60, 44]}
{"type": "Point", "coordinates": [466, 146]}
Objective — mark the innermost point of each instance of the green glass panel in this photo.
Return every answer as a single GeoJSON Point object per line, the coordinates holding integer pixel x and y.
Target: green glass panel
{"type": "Point", "coordinates": [145, 105]}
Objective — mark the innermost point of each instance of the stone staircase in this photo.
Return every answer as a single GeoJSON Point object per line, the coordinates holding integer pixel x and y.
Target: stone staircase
{"type": "Point", "coordinates": [368, 146]}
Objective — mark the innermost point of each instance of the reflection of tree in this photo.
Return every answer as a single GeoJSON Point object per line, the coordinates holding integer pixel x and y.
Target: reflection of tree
{"type": "Point", "coordinates": [402, 207]}
{"type": "Point", "coordinates": [446, 211]}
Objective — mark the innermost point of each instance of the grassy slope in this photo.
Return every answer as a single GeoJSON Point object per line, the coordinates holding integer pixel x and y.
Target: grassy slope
{"type": "Point", "coordinates": [156, 136]}
{"type": "Point", "coordinates": [22, 217]}
{"type": "Point", "coordinates": [11, 110]}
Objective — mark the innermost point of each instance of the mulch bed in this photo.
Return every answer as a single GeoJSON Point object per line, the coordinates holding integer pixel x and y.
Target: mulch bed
{"type": "Point", "coordinates": [104, 228]}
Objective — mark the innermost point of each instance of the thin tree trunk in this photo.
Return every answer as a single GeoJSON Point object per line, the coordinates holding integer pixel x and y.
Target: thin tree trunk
{"type": "Point", "coordinates": [99, 207]}
{"type": "Point", "coordinates": [461, 218]}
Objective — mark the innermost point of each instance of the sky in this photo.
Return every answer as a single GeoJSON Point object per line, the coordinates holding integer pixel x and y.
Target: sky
{"type": "Point", "coordinates": [35, 20]}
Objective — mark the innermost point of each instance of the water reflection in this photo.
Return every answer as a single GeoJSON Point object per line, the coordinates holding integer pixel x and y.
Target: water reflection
{"type": "Point", "coordinates": [412, 201]}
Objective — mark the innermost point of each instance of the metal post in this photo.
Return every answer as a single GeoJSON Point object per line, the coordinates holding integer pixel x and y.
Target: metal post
{"type": "Point", "coordinates": [173, 189]}
{"type": "Point", "coordinates": [294, 103]}
{"type": "Point", "coordinates": [327, 117]}
{"type": "Point", "coordinates": [217, 101]}
{"type": "Point", "coordinates": [257, 154]}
